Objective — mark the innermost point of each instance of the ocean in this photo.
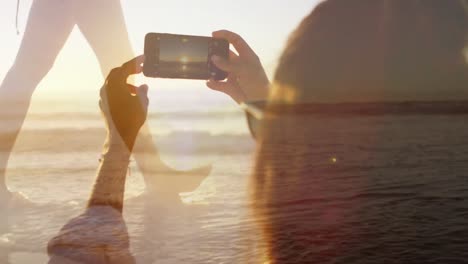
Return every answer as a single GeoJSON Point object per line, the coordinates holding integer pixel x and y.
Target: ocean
{"type": "Point", "coordinates": [398, 184]}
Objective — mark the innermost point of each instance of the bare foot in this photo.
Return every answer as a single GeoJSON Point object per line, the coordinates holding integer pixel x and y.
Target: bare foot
{"type": "Point", "coordinates": [163, 190]}
{"type": "Point", "coordinates": [175, 182]}
{"type": "Point", "coordinates": [97, 236]}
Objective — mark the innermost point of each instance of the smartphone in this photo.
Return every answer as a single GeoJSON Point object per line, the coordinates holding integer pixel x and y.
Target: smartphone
{"type": "Point", "coordinates": [183, 56]}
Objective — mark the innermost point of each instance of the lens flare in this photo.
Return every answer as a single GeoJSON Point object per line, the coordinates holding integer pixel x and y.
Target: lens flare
{"type": "Point", "coordinates": [184, 59]}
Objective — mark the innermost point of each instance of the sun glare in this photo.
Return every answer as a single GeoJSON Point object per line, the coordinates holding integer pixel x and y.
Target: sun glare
{"type": "Point", "coordinates": [184, 59]}
{"type": "Point", "coordinates": [284, 93]}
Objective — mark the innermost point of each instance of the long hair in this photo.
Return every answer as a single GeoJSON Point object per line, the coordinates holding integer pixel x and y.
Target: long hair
{"type": "Point", "coordinates": [346, 51]}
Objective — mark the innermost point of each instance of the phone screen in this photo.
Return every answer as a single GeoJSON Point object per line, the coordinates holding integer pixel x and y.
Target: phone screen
{"type": "Point", "coordinates": [187, 56]}
{"type": "Point", "coordinates": [183, 56]}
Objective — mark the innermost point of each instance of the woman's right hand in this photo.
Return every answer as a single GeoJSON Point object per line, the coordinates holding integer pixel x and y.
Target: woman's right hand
{"type": "Point", "coordinates": [123, 105]}
{"type": "Point", "coordinates": [247, 80]}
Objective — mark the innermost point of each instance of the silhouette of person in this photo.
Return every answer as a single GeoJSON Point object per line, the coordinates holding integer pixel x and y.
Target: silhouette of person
{"type": "Point", "coordinates": [49, 24]}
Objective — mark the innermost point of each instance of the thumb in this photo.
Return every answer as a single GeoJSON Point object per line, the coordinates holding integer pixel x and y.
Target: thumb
{"type": "Point", "coordinates": [143, 90]}
{"type": "Point", "coordinates": [222, 63]}
{"type": "Point", "coordinates": [142, 93]}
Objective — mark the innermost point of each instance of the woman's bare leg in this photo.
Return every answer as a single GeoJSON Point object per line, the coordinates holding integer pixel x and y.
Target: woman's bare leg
{"type": "Point", "coordinates": [103, 25]}
{"type": "Point", "coordinates": [49, 25]}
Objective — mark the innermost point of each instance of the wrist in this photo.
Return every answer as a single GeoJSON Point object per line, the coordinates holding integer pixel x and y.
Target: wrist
{"type": "Point", "coordinates": [118, 141]}
{"type": "Point", "coordinates": [117, 155]}
{"type": "Point", "coordinates": [258, 93]}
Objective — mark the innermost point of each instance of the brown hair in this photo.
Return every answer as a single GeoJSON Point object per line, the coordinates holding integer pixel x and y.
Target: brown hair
{"type": "Point", "coordinates": [387, 50]}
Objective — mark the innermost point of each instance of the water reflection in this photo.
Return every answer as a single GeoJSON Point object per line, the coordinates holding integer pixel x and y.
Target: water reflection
{"type": "Point", "coordinates": [213, 226]}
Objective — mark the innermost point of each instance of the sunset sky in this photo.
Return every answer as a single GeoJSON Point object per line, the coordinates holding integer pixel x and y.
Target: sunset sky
{"type": "Point", "coordinates": [265, 24]}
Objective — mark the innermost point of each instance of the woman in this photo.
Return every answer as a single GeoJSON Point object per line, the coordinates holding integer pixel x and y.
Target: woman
{"type": "Point", "coordinates": [49, 26]}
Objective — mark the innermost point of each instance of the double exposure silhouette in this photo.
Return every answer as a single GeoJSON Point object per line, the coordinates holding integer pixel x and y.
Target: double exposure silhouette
{"type": "Point", "coordinates": [49, 25]}
{"type": "Point", "coordinates": [346, 170]}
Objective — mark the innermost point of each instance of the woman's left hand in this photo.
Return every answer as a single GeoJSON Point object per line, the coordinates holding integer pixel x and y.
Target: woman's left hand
{"type": "Point", "coordinates": [247, 80]}
{"type": "Point", "coordinates": [123, 105]}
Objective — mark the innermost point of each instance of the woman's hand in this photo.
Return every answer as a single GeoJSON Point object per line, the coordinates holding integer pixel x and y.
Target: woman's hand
{"type": "Point", "coordinates": [247, 80]}
{"type": "Point", "coordinates": [123, 105]}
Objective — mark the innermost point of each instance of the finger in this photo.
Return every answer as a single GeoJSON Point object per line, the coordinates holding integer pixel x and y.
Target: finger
{"type": "Point", "coordinates": [142, 93]}
{"type": "Point", "coordinates": [228, 88]}
{"type": "Point", "coordinates": [115, 75]}
{"type": "Point", "coordinates": [143, 90]}
{"type": "Point", "coordinates": [134, 66]}
{"type": "Point", "coordinates": [237, 41]}
{"type": "Point", "coordinates": [227, 65]}
{"type": "Point", "coordinates": [233, 56]}
{"type": "Point", "coordinates": [222, 63]}
{"type": "Point", "coordinates": [217, 85]}
{"type": "Point", "coordinates": [132, 89]}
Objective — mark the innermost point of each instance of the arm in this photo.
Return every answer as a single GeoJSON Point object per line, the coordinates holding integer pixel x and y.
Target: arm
{"type": "Point", "coordinates": [109, 187]}
{"type": "Point", "coordinates": [100, 233]}
{"type": "Point", "coordinates": [124, 114]}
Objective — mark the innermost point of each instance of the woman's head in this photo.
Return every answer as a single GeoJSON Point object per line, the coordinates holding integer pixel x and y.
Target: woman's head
{"type": "Point", "coordinates": [387, 50]}
{"type": "Point", "coordinates": [346, 51]}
